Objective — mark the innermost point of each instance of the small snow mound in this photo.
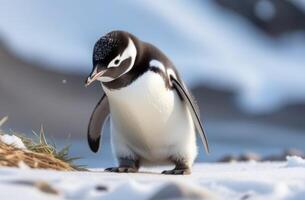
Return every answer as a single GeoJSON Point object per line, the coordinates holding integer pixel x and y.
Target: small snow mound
{"type": "Point", "coordinates": [295, 161]}
{"type": "Point", "coordinates": [182, 191]}
{"type": "Point", "coordinates": [12, 140]}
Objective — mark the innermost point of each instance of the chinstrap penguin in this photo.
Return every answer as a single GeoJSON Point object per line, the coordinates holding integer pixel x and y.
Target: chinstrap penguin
{"type": "Point", "coordinates": [153, 117]}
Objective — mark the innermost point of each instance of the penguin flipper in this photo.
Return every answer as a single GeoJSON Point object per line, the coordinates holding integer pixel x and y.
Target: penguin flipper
{"type": "Point", "coordinates": [187, 98]}
{"type": "Point", "coordinates": [98, 118]}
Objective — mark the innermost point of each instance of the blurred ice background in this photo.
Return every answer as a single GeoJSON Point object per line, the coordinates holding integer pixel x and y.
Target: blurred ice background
{"type": "Point", "coordinates": [244, 61]}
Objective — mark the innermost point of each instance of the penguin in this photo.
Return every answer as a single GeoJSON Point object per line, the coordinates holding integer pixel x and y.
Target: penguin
{"type": "Point", "coordinates": [153, 116]}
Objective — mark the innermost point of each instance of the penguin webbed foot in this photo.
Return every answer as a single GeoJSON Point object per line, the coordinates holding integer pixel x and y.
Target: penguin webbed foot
{"type": "Point", "coordinates": [122, 169]}
{"type": "Point", "coordinates": [126, 165]}
{"type": "Point", "coordinates": [181, 167]}
{"type": "Point", "coordinates": [177, 172]}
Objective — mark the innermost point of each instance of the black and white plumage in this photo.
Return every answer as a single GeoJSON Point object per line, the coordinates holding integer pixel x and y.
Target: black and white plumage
{"type": "Point", "coordinates": [153, 116]}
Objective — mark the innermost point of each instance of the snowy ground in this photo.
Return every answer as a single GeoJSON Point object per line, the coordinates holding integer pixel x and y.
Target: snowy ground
{"type": "Point", "coordinates": [284, 180]}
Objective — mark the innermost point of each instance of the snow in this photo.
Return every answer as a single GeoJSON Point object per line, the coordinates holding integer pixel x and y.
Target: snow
{"type": "Point", "coordinates": [295, 161]}
{"type": "Point", "coordinates": [12, 140]}
{"type": "Point", "coordinates": [207, 44]}
{"type": "Point", "coordinates": [268, 180]}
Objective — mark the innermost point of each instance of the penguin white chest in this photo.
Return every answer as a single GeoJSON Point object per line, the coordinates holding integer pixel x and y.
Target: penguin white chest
{"type": "Point", "coordinates": [149, 117]}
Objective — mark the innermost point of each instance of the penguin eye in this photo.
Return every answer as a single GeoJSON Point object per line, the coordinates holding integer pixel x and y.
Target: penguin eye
{"type": "Point", "coordinates": [116, 62]}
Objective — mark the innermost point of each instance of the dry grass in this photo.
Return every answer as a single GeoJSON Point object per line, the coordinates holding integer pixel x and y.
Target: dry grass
{"type": "Point", "coordinates": [13, 157]}
{"type": "Point", "coordinates": [39, 153]}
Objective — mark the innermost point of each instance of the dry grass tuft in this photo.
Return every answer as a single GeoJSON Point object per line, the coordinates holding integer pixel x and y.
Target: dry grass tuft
{"type": "Point", "coordinates": [39, 154]}
{"type": "Point", "coordinates": [11, 156]}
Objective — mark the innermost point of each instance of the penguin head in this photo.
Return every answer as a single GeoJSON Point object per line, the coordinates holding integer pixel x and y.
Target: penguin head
{"type": "Point", "coordinates": [113, 56]}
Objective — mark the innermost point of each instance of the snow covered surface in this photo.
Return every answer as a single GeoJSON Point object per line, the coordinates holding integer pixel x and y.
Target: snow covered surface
{"type": "Point", "coordinates": [295, 161]}
{"type": "Point", "coordinates": [12, 140]}
{"type": "Point", "coordinates": [207, 44]}
{"type": "Point", "coordinates": [224, 181]}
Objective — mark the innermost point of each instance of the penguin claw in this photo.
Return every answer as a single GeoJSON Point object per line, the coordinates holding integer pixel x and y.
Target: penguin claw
{"type": "Point", "coordinates": [121, 169]}
{"type": "Point", "coordinates": [177, 172]}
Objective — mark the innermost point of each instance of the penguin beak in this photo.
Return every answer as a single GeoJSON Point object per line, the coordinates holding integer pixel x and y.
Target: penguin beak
{"type": "Point", "coordinates": [94, 76]}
